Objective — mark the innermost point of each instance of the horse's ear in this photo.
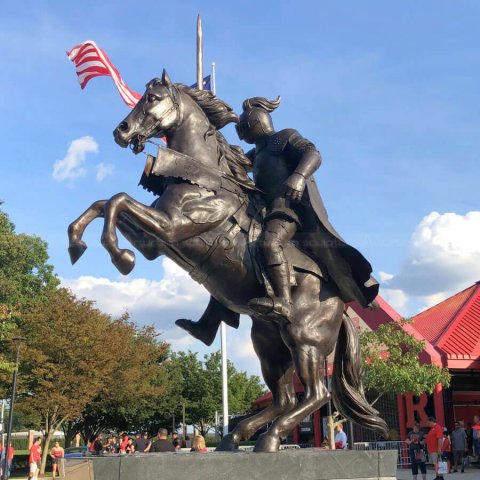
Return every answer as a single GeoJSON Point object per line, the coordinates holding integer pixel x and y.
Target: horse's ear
{"type": "Point", "coordinates": [166, 79]}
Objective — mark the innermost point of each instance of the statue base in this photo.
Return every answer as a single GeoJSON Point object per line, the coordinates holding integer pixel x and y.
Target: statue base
{"type": "Point", "coordinates": [304, 464]}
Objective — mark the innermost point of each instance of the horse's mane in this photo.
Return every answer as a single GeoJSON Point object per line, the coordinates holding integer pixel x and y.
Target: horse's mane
{"type": "Point", "coordinates": [219, 114]}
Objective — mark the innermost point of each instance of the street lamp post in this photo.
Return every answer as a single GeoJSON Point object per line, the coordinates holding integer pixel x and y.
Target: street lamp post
{"type": "Point", "coordinates": [18, 340]}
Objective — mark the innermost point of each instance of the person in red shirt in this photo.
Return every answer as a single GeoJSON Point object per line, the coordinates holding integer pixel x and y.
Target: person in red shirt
{"type": "Point", "coordinates": [124, 443]}
{"type": "Point", "coordinates": [446, 448]}
{"type": "Point", "coordinates": [435, 443]}
{"type": "Point", "coordinates": [34, 459]}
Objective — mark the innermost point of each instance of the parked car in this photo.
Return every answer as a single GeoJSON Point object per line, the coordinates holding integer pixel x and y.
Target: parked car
{"type": "Point", "coordinates": [77, 452]}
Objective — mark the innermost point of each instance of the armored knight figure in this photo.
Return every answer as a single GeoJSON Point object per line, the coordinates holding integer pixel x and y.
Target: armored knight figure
{"type": "Point", "coordinates": [282, 163]}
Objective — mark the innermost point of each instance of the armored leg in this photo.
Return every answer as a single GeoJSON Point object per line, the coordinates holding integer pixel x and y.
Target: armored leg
{"type": "Point", "coordinates": [206, 328]}
{"type": "Point", "coordinates": [278, 231]}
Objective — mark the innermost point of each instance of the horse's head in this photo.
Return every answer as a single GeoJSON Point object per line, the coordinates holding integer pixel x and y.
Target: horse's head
{"type": "Point", "coordinates": [154, 115]}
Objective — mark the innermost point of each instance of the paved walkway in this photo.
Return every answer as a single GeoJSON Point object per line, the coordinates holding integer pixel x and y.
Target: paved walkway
{"type": "Point", "coordinates": [472, 473]}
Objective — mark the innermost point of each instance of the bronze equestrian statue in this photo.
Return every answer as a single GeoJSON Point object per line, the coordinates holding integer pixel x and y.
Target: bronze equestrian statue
{"type": "Point", "coordinates": [209, 217]}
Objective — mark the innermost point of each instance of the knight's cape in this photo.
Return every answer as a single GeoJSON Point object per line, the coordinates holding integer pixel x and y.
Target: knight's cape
{"type": "Point", "coordinates": [346, 266]}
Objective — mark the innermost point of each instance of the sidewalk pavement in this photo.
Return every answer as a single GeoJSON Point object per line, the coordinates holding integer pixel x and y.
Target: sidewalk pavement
{"type": "Point", "coordinates": [471, 473]}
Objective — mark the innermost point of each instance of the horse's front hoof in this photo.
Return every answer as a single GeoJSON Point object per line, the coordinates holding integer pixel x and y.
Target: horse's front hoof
{"type": "Point", "coordinates": [76, 250]}
{"type": "Point", "coordinates": [228, 444]}
{"type": "Point", "coordinates": [124, 261]}
{"type": "Point", "coordinates": [267, 444]}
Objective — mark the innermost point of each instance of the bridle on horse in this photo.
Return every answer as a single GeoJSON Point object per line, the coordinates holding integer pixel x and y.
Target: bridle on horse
{"type": "Point", "coordinates": [140, 140]}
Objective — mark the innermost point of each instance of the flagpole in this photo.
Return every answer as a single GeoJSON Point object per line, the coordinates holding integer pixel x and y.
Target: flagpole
{"type": "Point", "coordinates": [223, 327]}
{"type": "Point", "coordinates": [212, 79]}
{"type": "Point", "coordinates": [199, 54]}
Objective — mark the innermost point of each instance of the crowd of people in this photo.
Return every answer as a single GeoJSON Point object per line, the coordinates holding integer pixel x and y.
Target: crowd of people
{"type": "Point", "coordinates": [447, 451]}
{"type": "Point", "coordinates": [141, 443]}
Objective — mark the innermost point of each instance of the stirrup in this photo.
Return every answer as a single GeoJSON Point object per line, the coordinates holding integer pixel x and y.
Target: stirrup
{"type": "Point", "coordinates": [272, 306]}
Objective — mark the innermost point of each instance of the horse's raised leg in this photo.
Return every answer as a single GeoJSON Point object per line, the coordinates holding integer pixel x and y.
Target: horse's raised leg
{"type": "Point", "coordinates": [153, 221]}
{"type": "Point", "coordinates": [277, 370]}
{"type": "Point", "coordinates": [77, 246]}
{"type": "Point", "coordinates": [311, 337]}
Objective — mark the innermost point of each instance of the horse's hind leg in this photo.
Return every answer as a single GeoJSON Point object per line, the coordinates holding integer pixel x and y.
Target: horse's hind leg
{"type": "Point", "coordinates": [311, 337]}
{"type": "Point", "coordinates": [277, 370]}
{"type": "Point", "coordinates": [77, 246]}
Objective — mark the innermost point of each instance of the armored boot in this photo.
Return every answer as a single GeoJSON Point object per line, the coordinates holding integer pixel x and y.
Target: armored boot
{"type": "Point", "coordinates": [281, 304]}
{"type": "Point", "coordinates": [278, 231]}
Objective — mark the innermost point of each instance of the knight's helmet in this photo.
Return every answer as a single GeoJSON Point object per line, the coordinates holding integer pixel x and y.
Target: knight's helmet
{"type": "Point", "coordinates": [255, 120]}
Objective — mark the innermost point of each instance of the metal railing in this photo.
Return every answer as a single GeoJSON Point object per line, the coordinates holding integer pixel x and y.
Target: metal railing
{"type": "Point", "coordinates": [403, 458]}
{"type": "Point", "coordinates": [249, 448]}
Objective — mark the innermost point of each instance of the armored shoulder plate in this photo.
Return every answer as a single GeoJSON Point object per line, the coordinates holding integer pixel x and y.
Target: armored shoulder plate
{"type": "Point", "coordinates": [278, 141]}
{"type": "Point", "coordinates": [300, 144]}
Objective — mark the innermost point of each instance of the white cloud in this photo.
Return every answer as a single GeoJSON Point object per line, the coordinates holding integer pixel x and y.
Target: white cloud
{"type": "Point", "coordinates": [443, 258]}
{"type": "Point", "coordinates": [103, 170]}
{"type": "Point", "coordinates": [161, 302]}
{"type": "Point", "coordinates": [396, 298]}
{"type": "Point", "coordinates": [384, 276]}
{"type": "Point", "coordinates": [72, 165]}
{"type": "Point", "coordinates": [146, 300]}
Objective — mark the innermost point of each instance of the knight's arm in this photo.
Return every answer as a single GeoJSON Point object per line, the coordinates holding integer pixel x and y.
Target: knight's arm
{"type": "Point", "coordinates": [307, 155]}
{"type": "Point", "coordinates": [251, 154]}
{"type": "Point", "coordinates": [306, 159]}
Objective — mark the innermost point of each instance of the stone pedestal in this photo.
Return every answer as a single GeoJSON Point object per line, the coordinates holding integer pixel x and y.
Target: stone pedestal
{"type": "Point", "coordinates": [304, 464]}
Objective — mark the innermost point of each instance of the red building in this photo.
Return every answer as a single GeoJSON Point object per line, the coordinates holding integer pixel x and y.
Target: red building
{"type": "Point", "coordinates": [451, 332]}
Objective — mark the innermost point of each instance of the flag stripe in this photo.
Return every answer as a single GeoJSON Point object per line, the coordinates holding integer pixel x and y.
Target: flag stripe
{"type": "Point", "coordinates": [91, 61]}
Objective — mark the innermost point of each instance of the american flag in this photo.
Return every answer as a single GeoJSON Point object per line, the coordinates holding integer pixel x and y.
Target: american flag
{"type": "Point", "coordinates": [91, 61]}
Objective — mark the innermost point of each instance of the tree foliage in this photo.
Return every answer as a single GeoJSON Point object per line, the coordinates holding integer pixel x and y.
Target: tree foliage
{"type": "Point", "coordinates": [25, 276]}
{"type": "Point", "coordinates": [75, 355]}
{"type": "Point", "coordinates": [201, 388]}
{"type": "Point", "coordinates": [391, 362]}
{"type": "Point", "coordinates": [132, 395]}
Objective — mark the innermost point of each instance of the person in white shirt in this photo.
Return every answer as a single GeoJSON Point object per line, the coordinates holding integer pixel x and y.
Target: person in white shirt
{"type": "Point", "coordinates": [340, 437]}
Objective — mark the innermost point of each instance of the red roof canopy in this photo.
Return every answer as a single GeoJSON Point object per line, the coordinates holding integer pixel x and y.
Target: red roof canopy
{"type": "Point", "coordinates": [453, 327]}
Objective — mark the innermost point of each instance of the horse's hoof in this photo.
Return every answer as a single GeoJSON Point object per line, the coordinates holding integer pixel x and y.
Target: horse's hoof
{"type": "Point", "coordinates": [267, 444]}
{"type": "Point", "coordinates": [76, 250]}
{"type": "Point", "coordinates": [205, 336]}
{"type": "Point", "coordinates": [124, 261]}
{"type": "Point", "coordinates": [228, 444]}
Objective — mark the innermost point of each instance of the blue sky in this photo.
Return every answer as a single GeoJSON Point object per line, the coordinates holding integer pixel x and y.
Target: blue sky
{"type": "Point", "coordinates": [388, 91]}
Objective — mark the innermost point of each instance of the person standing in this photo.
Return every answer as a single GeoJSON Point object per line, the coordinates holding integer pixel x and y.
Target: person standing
{"type": "Point", "coordinates": [98, 445]}
{"type": "Point", "coordinates": [340, 437]}
{"type": "Point", "coordinates": [199, 444]}
{"type": "Point", "coordinates": [34, 459]}
{"type": "Point", "coordinates": [459, 447]}
{"type": "Point", "coordinates": [435, 443]}
{"type": "Point", "coordinates": [446, 449]}
{"type": "Point", "coordinates": [10, 454]}
{"type": "Point", "coordinates": [123, 442]}
{"type": "Point", "coordinates": [56, 453]}
{"type": "Point", "coordinates": [142, 443]}
{"type": "Point", "coordinates": [175, 441]}
{"type": "Point", "coordinates": [416, 447]}
{"type": "Point", "coordinates": [476, 436]}
{"type": "Point", "coordinates": [162, 444]}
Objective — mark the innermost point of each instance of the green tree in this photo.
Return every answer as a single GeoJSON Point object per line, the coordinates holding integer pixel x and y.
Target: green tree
{"type": "Point", "coordinates": [25, 276]}
{"type": "Point", "coordinates": [129, 400]}
{"type": "Point", "coordinates": [202, 388]}
{"type": "Point", "coordinates": [391, 362]}
{"type": "Point", "coordinates": [69, 357]}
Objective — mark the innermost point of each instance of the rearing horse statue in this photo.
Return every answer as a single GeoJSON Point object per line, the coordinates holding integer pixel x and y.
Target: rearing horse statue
{"type": "Point", "coordinates": [207, 219]}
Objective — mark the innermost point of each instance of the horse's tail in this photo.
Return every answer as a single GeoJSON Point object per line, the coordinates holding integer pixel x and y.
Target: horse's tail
{"type": "Point", "coordinates": [347, 387]}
